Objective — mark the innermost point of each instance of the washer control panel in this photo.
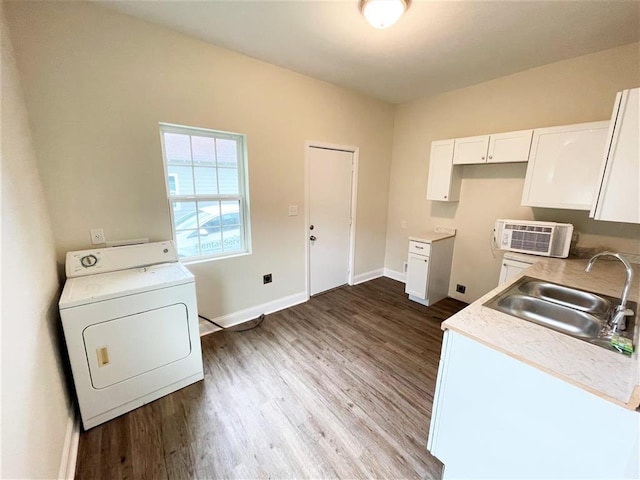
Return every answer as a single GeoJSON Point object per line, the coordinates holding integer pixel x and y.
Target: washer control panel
{"type": "Point", "coordinates": [89, 262]}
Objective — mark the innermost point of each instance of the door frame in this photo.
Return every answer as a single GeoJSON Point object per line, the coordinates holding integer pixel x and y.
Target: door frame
{"type": "Point", "coordinates": [354, 200]}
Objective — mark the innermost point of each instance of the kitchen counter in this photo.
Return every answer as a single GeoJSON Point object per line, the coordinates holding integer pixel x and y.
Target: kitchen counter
{"type": "Point", "coordinates": [431, 236]}
{"type": "Point", "coordinates": [607, 374]}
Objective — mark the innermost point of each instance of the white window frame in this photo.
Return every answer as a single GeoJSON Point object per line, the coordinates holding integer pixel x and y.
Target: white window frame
{"type": "Point", "coordinates": [242, 196]}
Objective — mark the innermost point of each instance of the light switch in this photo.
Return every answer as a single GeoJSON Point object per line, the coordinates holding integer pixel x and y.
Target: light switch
{"type": "Point", "coordinates": [293, 210]}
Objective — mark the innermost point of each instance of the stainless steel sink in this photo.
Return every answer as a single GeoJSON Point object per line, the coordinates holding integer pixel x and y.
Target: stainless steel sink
{"type": "Point", "coordinates": [569, 297]}
{"type": "Point", "coordinates": [580, 314]}
{"type": "Point", "coordinates": [563, 319]}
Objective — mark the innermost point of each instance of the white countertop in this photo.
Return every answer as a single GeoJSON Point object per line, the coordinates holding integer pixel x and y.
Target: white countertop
{"type": "Point", "coordinates": [430, 237]}
{"type": "Point", "coordinates": [610, 375]}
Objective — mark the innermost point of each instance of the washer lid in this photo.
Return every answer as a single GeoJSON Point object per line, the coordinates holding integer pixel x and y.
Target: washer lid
{"type": "Point", "coordinates": [105, 286]}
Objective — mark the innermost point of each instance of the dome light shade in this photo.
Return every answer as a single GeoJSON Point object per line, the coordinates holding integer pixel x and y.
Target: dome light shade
{"type": "Point", "coordinates": [383, 13]}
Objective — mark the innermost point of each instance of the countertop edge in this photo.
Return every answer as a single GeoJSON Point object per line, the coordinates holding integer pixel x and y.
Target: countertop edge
{"type": "Point", "coordinates": [632, 404]}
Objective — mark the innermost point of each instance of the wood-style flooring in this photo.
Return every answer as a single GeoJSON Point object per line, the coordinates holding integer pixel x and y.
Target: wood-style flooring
{"type": "Point", "coordinates": [338, 387]}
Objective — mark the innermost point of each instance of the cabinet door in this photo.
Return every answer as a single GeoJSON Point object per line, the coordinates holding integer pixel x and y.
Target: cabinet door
{"type": "Point", "coordinates": [618, 198]}
{"type": "Point", "coordinates": [497, 417]}
{"type": "Point", "coordinates": [471, 150]}
{"type": "Point", "coordinates": [510, 147]}
{"type": "Point", "coordinates": [564, 166]}
{"type": "Point", "coordinates": [444, 181]}
{"type": "Point", "coordinates": [511, 269]}
{"type": "Point", "coordinates": [417, 276]}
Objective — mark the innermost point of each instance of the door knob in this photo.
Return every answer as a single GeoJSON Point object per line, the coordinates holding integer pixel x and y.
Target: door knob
{"type": "Point", "coordinates": [312, 238]}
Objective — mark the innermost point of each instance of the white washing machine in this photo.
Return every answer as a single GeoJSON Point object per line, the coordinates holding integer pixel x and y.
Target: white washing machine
{"type": "Point", "coordinates": [130, 323]}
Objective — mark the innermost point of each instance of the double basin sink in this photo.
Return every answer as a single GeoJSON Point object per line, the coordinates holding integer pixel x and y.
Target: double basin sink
{"type": "Point", "coordinates": [580, 314]}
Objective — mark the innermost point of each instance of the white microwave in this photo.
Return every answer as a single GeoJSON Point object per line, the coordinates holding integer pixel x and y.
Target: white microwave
{"type": "Point", "coordinates": [547, 239]}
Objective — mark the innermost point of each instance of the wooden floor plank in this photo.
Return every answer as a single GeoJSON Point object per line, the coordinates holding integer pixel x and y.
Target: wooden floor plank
{"type": "Point", "coordinates": [338, 387]}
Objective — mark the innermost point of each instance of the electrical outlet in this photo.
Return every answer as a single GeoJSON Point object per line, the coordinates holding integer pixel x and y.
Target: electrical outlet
{"type": "Point", "coordinates": [97, 236]}
{"type": "Point", "coordinates": [403, 224]}
{"type": "Point", "coordinates": [461, 288]}
{"type": "Point", "coordinates": [267, 278]}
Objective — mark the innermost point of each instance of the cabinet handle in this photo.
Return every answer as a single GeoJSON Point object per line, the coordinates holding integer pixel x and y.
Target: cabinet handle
{"type": "Point", "coordinates": [490, 157]}
{"type": "Point", "coordinates": [419, 248]}
{"type": "Point", "coordinates": [482, 158]}
{"type": "Point", "coordinates": [445, 196]}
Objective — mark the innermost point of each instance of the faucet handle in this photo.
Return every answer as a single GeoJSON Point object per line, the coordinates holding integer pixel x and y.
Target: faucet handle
{"type": "Point", "coordinates": [618, 321]}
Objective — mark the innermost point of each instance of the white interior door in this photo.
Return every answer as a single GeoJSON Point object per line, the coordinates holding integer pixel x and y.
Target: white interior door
{"type": "Point", "coordinates": [330, 180]}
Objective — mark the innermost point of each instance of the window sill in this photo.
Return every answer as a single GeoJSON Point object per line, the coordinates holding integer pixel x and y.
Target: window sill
{"type": "Point", "coordinates": [196, 261]}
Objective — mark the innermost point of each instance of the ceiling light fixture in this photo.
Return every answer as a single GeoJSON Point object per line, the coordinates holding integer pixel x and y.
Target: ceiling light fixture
{"type": "Point", "coordinates": [383, 13]}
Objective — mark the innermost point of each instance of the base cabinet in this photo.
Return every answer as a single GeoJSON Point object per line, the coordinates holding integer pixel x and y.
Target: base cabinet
{"type": "Point", "coordinates": [429, 270]}
{"type": "Point", "coordinates": [496, 417]}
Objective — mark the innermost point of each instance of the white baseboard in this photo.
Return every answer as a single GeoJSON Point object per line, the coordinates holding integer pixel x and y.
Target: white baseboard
{"type": "Point", "coordinates": [242, 316]}
{"type": "Point", "coordinates": [401, 277]}
{"type": "Point", "coordinates": [70, 449]}
{"type": "Point", "coordinates": [365, 277]}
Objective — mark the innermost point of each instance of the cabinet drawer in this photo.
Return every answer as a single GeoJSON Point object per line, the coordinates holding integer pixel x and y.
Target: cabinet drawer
{"type": "Point", "coordinates": [419, 248]}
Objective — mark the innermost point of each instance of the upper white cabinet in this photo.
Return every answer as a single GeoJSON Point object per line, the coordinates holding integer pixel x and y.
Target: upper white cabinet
{"type": "Point", "coordinates": [510, 147]}
{"type": "Point", "coordinates": [564, 165]}
{"type": "Point", "coordinates": [618, 194]}
{"type": "Point", "coordinates": [471, 150]}
{"type": "Point", "coordinates": [444, 181]}
{"type": "Point", "coordinates": [495, 148]}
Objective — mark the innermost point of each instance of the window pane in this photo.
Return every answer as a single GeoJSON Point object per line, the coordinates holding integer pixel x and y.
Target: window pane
{"type": "Point", "coordinates": [231, 229]}
{"type": "Point", "coordinates": [210, 238]}
{"type": "Point", "coordinates": [228, 181]}
{"type": "Point", "coordinates": [211, 243]}
{"type": "Point", "coordinates": [209, 214]}
{"type": "Point", "coordinates": [183, 180]}
{"type": "Point", "coordinates": [186, 218]}
{"type": "Point", "coordinates": [172, 181]}
{"type": "Point", "coordinates": [206, 181]}
{"type": "Point", "coordinates": [227, 152]}
{"type": "Point", "coordinates": [177, 148]}
{"type": "Point", "coordinates": [203, 150]}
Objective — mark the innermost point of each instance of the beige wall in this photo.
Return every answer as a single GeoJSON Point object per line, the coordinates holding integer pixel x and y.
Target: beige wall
{"type": "Point", "coordinates": [578, 90]}
{"type": "Point", "coordinates": [35, 409]}
{"type": "Point", "coordinates": [97, 83]}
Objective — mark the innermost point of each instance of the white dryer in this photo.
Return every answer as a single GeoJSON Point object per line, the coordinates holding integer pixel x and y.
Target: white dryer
{"type": "Point", "coordinates": [130, 323]}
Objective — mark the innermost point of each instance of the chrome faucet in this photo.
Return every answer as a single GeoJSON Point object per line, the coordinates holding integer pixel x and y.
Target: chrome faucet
{"type": "Point", "coordinates": [618, 321]}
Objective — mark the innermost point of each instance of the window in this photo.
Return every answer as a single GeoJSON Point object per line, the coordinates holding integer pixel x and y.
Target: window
{"type": "Point", "coordinates": [206, 183]}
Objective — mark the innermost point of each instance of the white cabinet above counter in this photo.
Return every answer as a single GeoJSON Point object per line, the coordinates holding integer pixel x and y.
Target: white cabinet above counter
{"type": "Point", "coordinates": [444, 179]}
{"type": "Point", "coordinates": [564, 166]}
{"type": "Point", "coordinates": [617, 197]}
{"type": "Point", "coordinates": [592, 166]}
{"type": "Point", "coordinates": [506, 147]}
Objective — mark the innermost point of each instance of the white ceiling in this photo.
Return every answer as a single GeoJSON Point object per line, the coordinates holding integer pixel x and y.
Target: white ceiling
{"type": "Point", "coordinates": [437, 46]}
